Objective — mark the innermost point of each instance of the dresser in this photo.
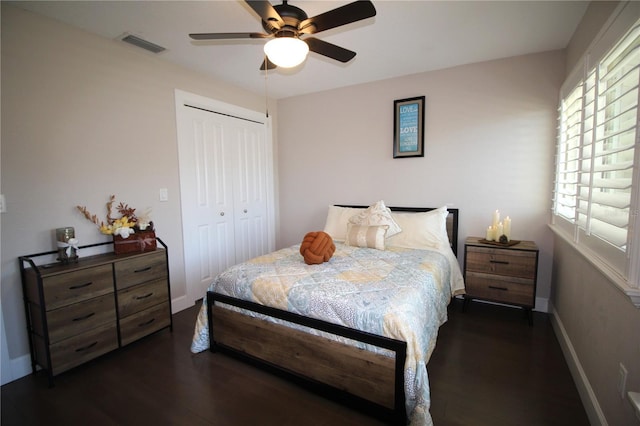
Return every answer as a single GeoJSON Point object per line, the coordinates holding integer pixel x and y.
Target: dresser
{"type": "Point", "coordinates": [78, 311]}
{"type": "Point", "coordinates": [501, 273]}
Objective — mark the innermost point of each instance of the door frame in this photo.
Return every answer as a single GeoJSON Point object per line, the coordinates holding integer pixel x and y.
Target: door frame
{"type": "Point", "coordinates": [183, 98]}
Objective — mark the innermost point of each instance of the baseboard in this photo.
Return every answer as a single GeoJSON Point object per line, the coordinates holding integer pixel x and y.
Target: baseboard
{"type": "Point", "coordinates": [180, 304]}
{"type": "Point", "coordinates": [19, 367]}
{"type": "Point", "coordinates": [542, 303]}
{"type": "Point", "coordinates": [588, 397]}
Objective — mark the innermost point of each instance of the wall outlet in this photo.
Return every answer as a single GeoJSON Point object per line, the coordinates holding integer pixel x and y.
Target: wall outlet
{"type": "Point", "coordinates": [622, 381]}
{"type": "Point", "coordinates": [3, 204]}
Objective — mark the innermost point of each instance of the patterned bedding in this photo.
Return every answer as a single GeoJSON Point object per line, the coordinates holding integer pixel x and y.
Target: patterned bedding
{"type": "Point", "coordinates": [398, 293]}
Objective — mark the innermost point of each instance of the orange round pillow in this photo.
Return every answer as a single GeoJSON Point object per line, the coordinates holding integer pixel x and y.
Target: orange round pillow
{"type": "Point", "coordinates": [317, 247]}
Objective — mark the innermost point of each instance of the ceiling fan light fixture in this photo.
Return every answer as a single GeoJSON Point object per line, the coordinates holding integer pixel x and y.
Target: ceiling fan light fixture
{"type": "Point", "coordinates": [286, 52]}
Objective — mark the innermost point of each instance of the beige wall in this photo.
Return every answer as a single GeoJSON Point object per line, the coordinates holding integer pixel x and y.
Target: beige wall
{"type": "Point", "coordinates": [489, 141]}
{"type": "Point", "coordinates": [597, 325]}
{"type": "Point", "coordinates": [589, 26]}
{"type": "Point", "coordinates": [599, 328]}
{"type": "Point", "coordinates": [84, 117]}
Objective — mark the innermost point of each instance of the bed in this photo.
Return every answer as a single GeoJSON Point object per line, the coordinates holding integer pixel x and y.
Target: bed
{"type": "Point", "coordinates": [358, 328]}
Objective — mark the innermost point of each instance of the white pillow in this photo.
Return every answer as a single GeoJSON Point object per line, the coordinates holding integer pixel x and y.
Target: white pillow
{"type": "Point", "coordinates": [421, 230]}
{"type": "Point", "coordinates": [337, 220]}
{"type": "Point", "coordinates": [377, 215]}
{"type": "Point", "coordinates": [366, 236]}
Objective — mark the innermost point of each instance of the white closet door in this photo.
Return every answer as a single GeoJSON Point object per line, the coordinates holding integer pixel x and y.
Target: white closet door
{"type": "Point", "coordinates": [226, 184]}
{"type": "Point", "coordinates": [250, 192]}
{"type": "Point", "coordinates": [206, 183]}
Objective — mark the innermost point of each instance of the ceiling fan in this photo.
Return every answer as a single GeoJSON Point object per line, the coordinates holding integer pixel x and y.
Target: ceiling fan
{"type": "Point", "coordinates": [285, 24]}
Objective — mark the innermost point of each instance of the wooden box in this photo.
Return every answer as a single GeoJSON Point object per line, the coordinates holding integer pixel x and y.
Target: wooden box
{"type": "Point", "coordinates": [138, 242]}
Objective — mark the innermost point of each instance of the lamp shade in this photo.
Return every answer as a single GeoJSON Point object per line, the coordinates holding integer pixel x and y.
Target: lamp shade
{"type": "Point", "coordinates": [286, 52]}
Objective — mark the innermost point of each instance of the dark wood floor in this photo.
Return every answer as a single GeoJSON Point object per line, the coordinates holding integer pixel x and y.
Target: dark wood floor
{"type": "Point", "coordinates": [489, 368]}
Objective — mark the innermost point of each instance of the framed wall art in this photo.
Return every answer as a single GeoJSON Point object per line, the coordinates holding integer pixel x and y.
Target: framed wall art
{"type": "Point", "coordinates": [408, 127]}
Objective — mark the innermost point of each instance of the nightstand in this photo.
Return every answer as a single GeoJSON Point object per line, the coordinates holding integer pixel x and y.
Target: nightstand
{"type": "Point", "coordinates": [501, 273]}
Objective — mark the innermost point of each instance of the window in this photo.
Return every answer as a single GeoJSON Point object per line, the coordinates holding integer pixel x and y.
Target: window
{"type": "Point", "coordinates": [596, 188]}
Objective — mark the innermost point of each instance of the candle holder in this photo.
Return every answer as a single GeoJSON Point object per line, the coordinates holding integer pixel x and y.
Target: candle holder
{"type": "Point", "coordinates": [509, 243]}
{"type": "Point", "coordinates": [67, 244]}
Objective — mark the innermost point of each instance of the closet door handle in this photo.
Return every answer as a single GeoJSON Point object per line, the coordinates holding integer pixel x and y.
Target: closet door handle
{"type": "Point", "coordinates": [245, 210]}
{"type": "Point", "coordinates": [221, 213]}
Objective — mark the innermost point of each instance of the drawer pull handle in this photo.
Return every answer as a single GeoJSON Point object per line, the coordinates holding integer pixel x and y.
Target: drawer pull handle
{"type": "Point", "coordinates": [498, 288]}
{"type": "Point", "coordinates": [84, 317]}
{"type": "Point", "coordinates": [146, 323]}
{"type": "Point", "coordinates": [75, 287]}
{"type": "Point", "coordinates": [501, 262]}
{"type": "Point", "coordinates": [144, 297]}
{"type": "Point", "coordinates": [142, 270]}
{"type": "Point", "coordinates": [87, 347]}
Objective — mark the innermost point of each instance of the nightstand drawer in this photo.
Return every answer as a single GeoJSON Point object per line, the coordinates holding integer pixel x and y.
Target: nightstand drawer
{"type": "Point", "coordinates": [140, 269]}
{"type": "Point", "coordinates": [80, 317]}
{"type": "Point", "coordinates": [65, 289]}
{"type": "Point", "coordinates": [513, 290]}
{"type": "Point", "coordinates": [141, 297]}
{"type": "Point", "coordinates": [501, 262]}
{"type": "Point", "coordinates": [83, 347]}
{"type": "Point", "coordinates": [143, 323]}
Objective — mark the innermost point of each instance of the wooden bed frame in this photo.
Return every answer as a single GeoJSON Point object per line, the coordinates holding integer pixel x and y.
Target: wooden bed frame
{"type": "Point", "coordinates": [362, 379]}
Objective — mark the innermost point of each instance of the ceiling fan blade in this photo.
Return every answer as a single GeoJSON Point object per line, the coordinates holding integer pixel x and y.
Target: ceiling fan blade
{"type": "Point", "coordinates": [226, 36]}
{"type": "Point", "coordinates": [343, 15]}
{"type": "Point", "coordinates": [267, 64]}
{"type": "Point", "coordinates": [266, 12]}
{"type": "Point", "coordinates": [330, 50]}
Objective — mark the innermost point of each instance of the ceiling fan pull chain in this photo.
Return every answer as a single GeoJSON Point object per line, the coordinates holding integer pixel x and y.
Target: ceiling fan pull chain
{"type": "Point", "coordinates": [266, 89]}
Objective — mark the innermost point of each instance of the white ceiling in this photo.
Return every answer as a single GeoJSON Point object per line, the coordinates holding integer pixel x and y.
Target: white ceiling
{"type": "Point", "coordinates": [405, 37]}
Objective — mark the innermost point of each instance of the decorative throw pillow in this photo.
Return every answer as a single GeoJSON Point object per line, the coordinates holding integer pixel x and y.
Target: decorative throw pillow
{"type": "Point", "coordinates": [317, 247]}
{"type": "Point", "coordinates": [377, 215]}
{"type": "Point", "coordinates": [366, 236]}
{"type": "Point", "coordinates": [421, 230]}
{"type": "Point", "coordinates": [337, 220]}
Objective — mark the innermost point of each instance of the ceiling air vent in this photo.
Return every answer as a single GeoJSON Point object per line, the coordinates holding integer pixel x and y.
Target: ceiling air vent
{"type": "Point", "coordinates": [146, 45]}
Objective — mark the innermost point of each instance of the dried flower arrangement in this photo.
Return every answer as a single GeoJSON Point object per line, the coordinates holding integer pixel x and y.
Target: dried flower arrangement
{"type": "Point", "coordinates": [123, 226]}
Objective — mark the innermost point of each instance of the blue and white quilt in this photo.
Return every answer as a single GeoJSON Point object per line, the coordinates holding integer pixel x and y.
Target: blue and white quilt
{"type": "Point", "coordinates": [398, 293]}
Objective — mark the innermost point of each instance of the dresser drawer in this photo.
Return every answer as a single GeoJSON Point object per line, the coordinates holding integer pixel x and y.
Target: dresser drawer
{"type": "Point", "coordinates": [501, 262]}
{"type": "Point", "coordinates": [513, 290]}
{"type": "Point", "coordinates": [138, 298]}
{"type": "Point", "coordinates": [141, 269]}
{"type": "Point", "coordinates": [72, 287]}
{"type": "Point", "coordinates": [81, 348]}
{"type": "Point", "coordinates": [145, 322]}
{"type": "Point", "coordinates": [80, 317]}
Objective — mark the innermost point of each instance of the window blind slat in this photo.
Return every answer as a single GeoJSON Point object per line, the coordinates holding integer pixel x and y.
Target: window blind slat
{"type": "Point", "coordinates": [597, 137]}
{"type": "Point", "coordinates": [612, 183]}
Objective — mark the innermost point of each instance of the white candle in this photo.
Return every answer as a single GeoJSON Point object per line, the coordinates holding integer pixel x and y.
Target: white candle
{"type": "Point", "coordinates": [507, 227]}
{"type": "Point", "coordinates": [496, 219]}
{"type": "Point", "coordinates": [499, 231]}
{"type": "Point", "coordinates": [489, 234]}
